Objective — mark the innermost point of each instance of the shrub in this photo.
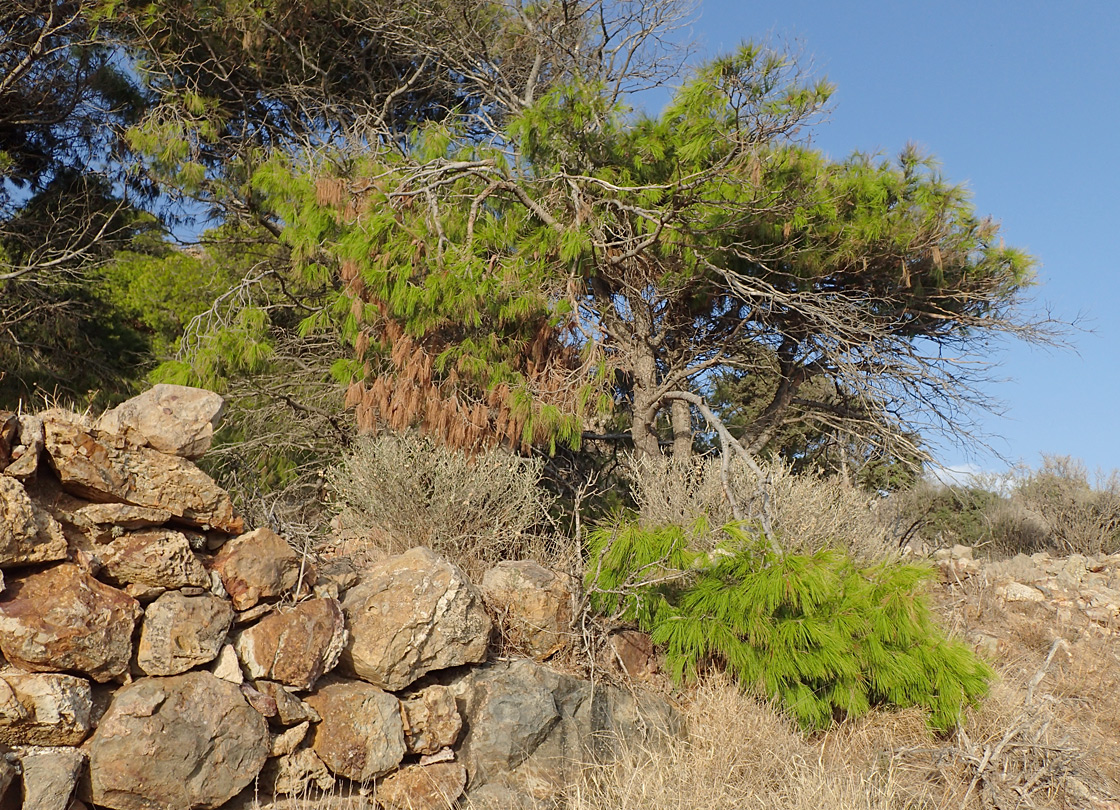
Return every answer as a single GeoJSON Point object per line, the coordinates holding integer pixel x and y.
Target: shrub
{"type": "Point", "coordinates": [400, 491]}
{"type": "Point", "coordinates": [810, 511]}
{"type": "Point", "coordinates": [1082, 516]}
{"type": "Point", "coordinates": [825, 637]}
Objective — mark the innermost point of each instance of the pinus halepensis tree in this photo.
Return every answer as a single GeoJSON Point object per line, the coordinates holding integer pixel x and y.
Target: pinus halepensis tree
{"type": "Point", "coordinates": [585, 257]}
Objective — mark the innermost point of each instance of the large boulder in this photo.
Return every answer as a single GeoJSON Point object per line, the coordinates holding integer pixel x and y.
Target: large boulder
{"type": "Point", "coordinates": [158, 557]}
{"type": "Point", "coordinates": [259, 565]}
{"type": "Point", "coordinates": [173, 419]}
{"type": "Point", "coordinates": [182, 632]}
{"type": "Point", "coordinates": [533, 605]}
{"type": "Point", "coordinates": [62, 619]}
{"type": "Point", "coordinates": [43, 708]}
{"type": "Point", "coordinates": [104, 468]}
{"type": "Point", "coordinates": [189, 741]}
{"type": "Point", "coordinates": [412, 614]}
{"type": "Point", "coordinates": [529, 728]}
{"type": "Point", "coordinates": [509, 711]}
{"type": "Point", "coordinates": [361, 735]}
{"type": "Point", "coordinates": [28, 534]}
{"type": "Point", "coordinates": [295, 647]}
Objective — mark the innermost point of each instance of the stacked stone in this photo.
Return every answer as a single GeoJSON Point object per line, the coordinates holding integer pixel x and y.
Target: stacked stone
{"type": "Point", "coordinates": [158, 655]}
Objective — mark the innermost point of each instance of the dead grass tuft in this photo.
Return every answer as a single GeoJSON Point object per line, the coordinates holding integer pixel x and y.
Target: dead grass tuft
{"type": "Point", "coordinates": [807, 512]}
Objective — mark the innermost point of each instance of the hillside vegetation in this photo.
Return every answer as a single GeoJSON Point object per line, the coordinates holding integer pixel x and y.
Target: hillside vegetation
{"type": "Point", "coordinates": [458, 293]}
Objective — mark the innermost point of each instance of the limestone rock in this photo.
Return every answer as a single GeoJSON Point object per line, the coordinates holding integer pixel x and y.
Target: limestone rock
{"type": "Point", "coordinates": [290, 710]}
{"type": "Point", "coordinates": [23, 460]}
{"type": "Point", "coordinates": [412, 614]}
{"type": "Point", "coordinates": [28, 534]}
{"type": "Point", "coordinates": [126, 516]}
{"type": "Point", "coordinates": [296, 773]}
{"type": "Point", "coordinates": [419, 787]}
{"type": "Point", "coordinates": [493, 796]}
{"type": "Point", "coordinates": [431, 720]}
{"type": "Point", "coordinates": [182, 632]}
{"type": "Point", "coordinates": [9, 436]}
{"type": "Point", "coordinates": [286, 741]}
{"type": "Point", "coordinates": [295, 647]}
{"type": "Point", "coordinates": [1018, 592]}
{"type": "Point", "coordinates": [173, 419]}
{"type": "Point", "coordinates": [188, 741]}
{"type": "Point", "coordinates": [49, 777]}
{"type": "Point", "coordinates": [63, 619]}
{"type": "Point", "coordinates": [227, 667]}
{"type": "Point", "coordinates": [104, 469]}
{"type": "Point", "coordinates": [44, 708]}
{"type": "Point", "coordinates": [534, 605]}
{"type": "Point", "coordinates": [257, 565]}
{"type": "Point", "coordinates": [361, 735]}
{"type": "Point", "coordinates": [160, 558]}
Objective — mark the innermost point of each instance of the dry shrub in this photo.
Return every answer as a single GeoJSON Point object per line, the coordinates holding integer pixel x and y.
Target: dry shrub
{"type": "Point", "coordinates": [743, 754]}
{"type": "Point", "coordinates": [1081, 514]}
{"type": "Point", "coordinates": [807, 512]}
{"type": "Point", "coordinates": [395, 492]}
{"type": "Point", "coordinates": [1015, 529]}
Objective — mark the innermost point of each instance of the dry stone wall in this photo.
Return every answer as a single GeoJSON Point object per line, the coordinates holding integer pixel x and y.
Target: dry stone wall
{"type": "Point", "coordinates": [160, 655]}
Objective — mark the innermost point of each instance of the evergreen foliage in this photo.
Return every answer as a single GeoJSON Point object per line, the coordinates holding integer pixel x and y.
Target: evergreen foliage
{"type": "Point", "coordinates": [824, 637]}
{"type": "Point", "coordinates": [583, 260]}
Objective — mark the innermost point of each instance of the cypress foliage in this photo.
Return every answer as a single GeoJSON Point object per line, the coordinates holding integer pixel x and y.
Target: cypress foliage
{"type": "Point", "coordinates": [826, 638]}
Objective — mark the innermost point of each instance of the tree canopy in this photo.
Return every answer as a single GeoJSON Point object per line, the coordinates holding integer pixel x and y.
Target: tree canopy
{"type": "Point", "coordinates": [584, 261]}
{"type": "Point", "coordinates": [449, 212]}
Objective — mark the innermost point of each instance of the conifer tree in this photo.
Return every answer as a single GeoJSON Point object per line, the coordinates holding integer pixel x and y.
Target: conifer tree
{"type": "Point", "coordinates": [582, 259]}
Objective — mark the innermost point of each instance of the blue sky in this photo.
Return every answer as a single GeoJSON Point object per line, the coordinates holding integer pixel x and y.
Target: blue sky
{"type": "Point", "coordinates": [1020, 101]}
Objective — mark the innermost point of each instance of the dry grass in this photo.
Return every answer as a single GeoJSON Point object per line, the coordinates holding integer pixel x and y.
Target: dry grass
{"type": "Point", "coordinates": [743, 754]}
{"type": "Point", "coordinates": [1056, 708]}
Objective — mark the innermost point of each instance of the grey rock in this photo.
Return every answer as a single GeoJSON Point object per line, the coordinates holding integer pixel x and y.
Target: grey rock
{"type": "Point", "coordinates": [50, 776]}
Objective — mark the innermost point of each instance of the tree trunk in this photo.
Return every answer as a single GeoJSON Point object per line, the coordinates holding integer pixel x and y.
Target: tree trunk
{"type": "Point", "coordinates": [682, 430]}
{"type": "Point", "coordinates": [644, 425]}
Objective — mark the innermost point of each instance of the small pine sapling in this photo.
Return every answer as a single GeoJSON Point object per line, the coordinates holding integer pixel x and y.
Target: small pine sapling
{"type": "Point", "coordinates": [825, 637]}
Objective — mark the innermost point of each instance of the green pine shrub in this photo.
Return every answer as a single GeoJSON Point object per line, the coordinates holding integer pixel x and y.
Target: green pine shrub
{"type": "Point", "coordinates": [825, 637]}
